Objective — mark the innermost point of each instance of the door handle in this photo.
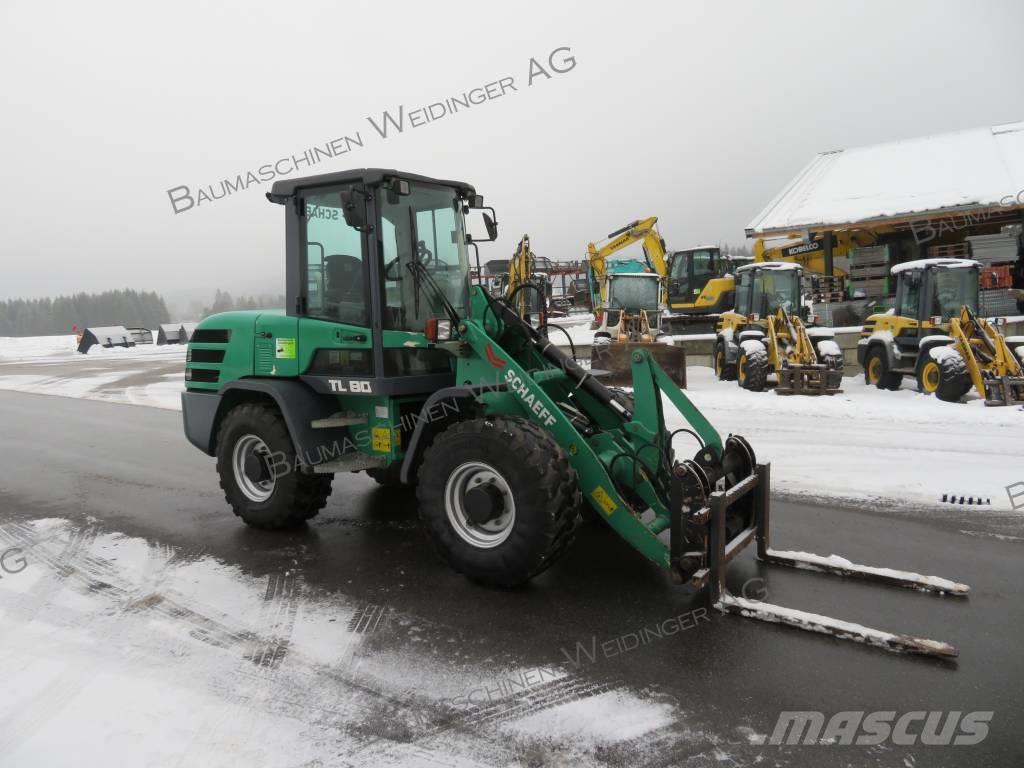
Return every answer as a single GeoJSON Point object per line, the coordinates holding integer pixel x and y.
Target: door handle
{"type": "Point", "coordinates": [354, 337]}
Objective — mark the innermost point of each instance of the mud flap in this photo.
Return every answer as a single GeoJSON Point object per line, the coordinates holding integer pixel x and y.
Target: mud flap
{"type": "Point", "coordinates": [615, 358]}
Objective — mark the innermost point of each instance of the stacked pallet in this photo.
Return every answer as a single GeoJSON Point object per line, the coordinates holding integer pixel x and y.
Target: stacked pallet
{"type": "Point", "coordinates": [951, 251]}
{"type": "Point", "coordinates": [824, 289]}
{"type": "Point", "coordinates": [869, 272]}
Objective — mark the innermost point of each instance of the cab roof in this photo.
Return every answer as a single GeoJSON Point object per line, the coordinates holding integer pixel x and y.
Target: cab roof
{"type": "Point", "coordinates": [284, 189]}
{"type": "Point", "coordinates": [774, 266]}
{"type": "Point", "coordinates": [925, 263]}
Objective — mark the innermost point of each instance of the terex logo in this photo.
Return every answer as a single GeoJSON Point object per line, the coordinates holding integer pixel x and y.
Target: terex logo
{"type": "Point", "coordinates": [493, 359]}
{"type": "Point", "coordinates": [521, 388]}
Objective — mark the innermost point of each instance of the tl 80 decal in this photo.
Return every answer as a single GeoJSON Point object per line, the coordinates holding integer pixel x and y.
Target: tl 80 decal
{"type": "Point", "coordinates": [350, 386]}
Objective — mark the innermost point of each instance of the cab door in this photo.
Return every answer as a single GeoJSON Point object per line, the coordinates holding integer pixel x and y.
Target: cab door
{"type": "Point", "coordinates": [335, 329]}
{"type": "Point", "coordinates": [680, 276]}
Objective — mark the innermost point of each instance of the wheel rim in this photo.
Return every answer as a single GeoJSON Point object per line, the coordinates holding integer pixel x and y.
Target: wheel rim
{"type": "Point", "coordinates": [718, 362]}
{"type": "Point", "coordinates": [930, 377]}
{"type": "Point", "coordinates": [741, 369]}
{"type": "Point", "coordinates": [475, 475]}
{"type": "Point", "coordinates": [247, 449]}
{"type": "Point", "coordinates": [874, 370]}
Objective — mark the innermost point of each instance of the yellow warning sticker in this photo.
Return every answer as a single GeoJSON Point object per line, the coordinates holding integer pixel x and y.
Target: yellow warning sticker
{"type": "Point", "coordinates": [604, 501]}
{"type": "Point", "coordinates": [398, 437]}
{"type": "Point", "coordinates": [382, 439]}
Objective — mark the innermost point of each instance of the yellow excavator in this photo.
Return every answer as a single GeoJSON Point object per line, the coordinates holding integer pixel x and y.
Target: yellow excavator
{"type": "Point", "coordinates": [696, 283]}
{"type": "Point", "coordinates": [524, 289]}
{"type": "Point", "coordinates": [811, 254]}
{"type": "Point", "coordinates": [629, 302]}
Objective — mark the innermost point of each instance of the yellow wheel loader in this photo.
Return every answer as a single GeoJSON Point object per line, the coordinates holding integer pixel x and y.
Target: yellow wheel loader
{"type": "Point", "coordinates": [935, 335]}
{"type": "Point", "coordinates": [766, 335]}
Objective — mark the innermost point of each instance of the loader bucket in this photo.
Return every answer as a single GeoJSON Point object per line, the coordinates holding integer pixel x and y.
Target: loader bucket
{"type": "Point", "coordinates": [615, 358]}
{"type": "Point", "coordinates": [110, 336]}
{"type": "Point", "coordinates": [170, 333]}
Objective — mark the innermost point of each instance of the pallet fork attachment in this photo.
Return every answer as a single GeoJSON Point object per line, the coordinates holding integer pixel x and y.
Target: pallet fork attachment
{"type": "Point", "coordinates": [720, 550]}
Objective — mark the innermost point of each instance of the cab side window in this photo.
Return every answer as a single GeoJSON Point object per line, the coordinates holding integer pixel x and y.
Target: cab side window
{"type": "Point", "coordinates": [743, 293]}
{"type": "Point", "coordinates": [911, 296]}
{"type": "Point", "coordinates": [336, 279]}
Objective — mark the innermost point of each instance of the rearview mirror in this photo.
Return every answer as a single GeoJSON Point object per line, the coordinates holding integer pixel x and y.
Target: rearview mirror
{"type": "Point", "coordinates": [492, 228]}
{"type": "Point", "coordinates": [353, 209]}
{"type": "Point", "coordinates": [475, 201]}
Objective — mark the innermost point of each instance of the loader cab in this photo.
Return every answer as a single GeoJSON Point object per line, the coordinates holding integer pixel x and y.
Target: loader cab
{"type": "Point", "coordinates": [764, 288]}
{"type": "Point", "coordinates": [931, 291]}
{"type": "Point", "coordinates": [378, 273]}
{"type": "Point", "coordinates": [691, 270]}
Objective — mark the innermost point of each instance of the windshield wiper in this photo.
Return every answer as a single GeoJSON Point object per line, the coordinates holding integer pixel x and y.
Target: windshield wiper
{"type": "Point", "coordinates": [422, 275]}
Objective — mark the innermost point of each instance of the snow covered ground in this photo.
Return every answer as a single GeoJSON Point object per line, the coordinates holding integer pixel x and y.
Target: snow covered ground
{"type": "Point", "coordinates": [146, 374]}
{"type": "Point", "coordinates": [119, 652]}
{"type": "Point", "coordinates": [863, 445]}
{"type": "Point", "coordinates": [871, 446]}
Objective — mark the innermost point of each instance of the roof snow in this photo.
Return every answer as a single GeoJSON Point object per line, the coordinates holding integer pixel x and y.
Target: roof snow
{"type": "Point", "coordinates": [948, 263]}
{"type": "Point", "coordinates": [779, 266]}
{"type": "Point", "coordinates": [970, 169]}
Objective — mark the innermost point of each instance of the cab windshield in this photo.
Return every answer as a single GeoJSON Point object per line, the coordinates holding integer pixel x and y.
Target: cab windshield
{"type": "Point", "coordinates": [422, 231]}
{"type": "Point", "coordinates": [633, 292]}
{"type": "Point", "coordinates": [777, 289]}
{"type": "Point", "coordinates": [952, 288]}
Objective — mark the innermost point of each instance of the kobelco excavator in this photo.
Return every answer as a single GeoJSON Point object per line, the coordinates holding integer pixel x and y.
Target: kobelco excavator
{"type": "Point", "coordinates": [386, 359]}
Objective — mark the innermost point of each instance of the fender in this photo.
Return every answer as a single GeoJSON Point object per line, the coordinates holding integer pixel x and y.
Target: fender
{"type": "Point", "coordinates": [865, 345]}
{"type": "Point", "coordinates": [426, 428]}
{"type": "Point", "coordinates": [299, 404]}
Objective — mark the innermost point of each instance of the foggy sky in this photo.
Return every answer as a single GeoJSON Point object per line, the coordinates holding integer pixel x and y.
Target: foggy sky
{"type": "Point", "coordinates": [697, 114]}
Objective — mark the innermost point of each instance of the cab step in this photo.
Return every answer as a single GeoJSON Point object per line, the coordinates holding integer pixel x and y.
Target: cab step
{"type": "Point", "coordinates": [340, 419]}
{"type": "Point", "coordinates": [352, 462]}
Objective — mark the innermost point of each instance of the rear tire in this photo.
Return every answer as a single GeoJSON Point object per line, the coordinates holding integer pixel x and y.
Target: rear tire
{"type": "Point", "coordinates": [257, 464]}
{"type": "Point", "coordinates": [752, 369]}
{"type": "Point", "coordinates": [876, 370]}
{"type": "Point", "coordinates": [954, 382]}
{"type": "Point", "coordinates": [724, 371]}
{"type": "Point", "coordinates": [928, 374]}
{"type": "Point", "coordinates": [498, 499]}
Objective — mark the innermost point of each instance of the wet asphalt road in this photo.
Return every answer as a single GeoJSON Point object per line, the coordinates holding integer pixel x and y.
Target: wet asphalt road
{"type": "Point", "coordinates": [131, 470]}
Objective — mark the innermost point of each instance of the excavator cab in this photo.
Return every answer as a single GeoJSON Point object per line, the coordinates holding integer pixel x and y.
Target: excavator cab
{"type": "Point", "coordinates": [700, 285]}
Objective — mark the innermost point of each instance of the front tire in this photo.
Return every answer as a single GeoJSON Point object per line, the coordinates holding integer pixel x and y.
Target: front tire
{"type": "Point", "coordinates": [259, 472]}
{"type": "Point", "coordinates": [954, 382]}
{"type": "Point", "coordinates": [752, 369]}
{"type": "Point", "coordinates": [498, 499]}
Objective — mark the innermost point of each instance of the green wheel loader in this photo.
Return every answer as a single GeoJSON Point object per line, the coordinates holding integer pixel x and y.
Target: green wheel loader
{"type": "Point", "coordinates": [386, 360]}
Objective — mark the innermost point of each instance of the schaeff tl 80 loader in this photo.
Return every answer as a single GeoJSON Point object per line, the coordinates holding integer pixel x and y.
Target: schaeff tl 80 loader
{"type": "Point", "coordinates": [386, 360]}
